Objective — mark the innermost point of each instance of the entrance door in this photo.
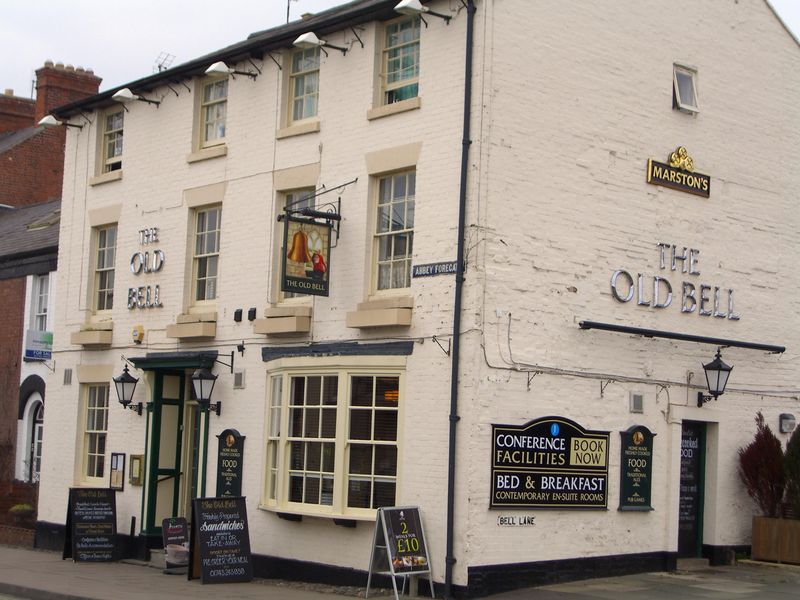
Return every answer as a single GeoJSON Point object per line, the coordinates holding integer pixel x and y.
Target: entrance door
{"type": "Point", "coordinates": [165, 465]}
{"type": "Point", "coordinates": [690, 512]}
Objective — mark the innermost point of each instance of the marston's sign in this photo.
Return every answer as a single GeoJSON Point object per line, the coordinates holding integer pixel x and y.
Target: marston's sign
{"type": "Point", "coordinates": [550, 462]}
{"type": "Point", "coordinates": [679, 174]}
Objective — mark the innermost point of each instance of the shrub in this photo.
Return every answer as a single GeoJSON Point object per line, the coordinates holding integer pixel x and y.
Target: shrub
{"type": "Point", "coordinates": [761, 469]}
{"type": "Point", "coordinates": [791, 470]}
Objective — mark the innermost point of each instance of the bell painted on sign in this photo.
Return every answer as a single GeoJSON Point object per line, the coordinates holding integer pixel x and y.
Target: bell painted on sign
{"type": "Point", "coordinates": [299, 250]}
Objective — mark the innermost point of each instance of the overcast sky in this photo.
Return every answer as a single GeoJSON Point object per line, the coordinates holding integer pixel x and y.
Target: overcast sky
{"type": "Point", "coordinates": [121, 41]}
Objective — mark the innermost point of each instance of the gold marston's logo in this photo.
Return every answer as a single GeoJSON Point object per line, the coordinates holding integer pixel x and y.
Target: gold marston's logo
{"type": "Point", "coordinates": [679, 174]}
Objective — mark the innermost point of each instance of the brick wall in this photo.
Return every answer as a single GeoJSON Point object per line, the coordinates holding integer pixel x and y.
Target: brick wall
{"type": "Point", "coordinates": [32, 171]}
{"type": "Point", "coordinates": [12, 299]}
{"type": "Point", "coordinates": [15, 112]}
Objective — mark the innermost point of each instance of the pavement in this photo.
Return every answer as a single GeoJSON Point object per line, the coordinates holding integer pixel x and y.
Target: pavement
{"type": "Point", "coordinates": [42, 575]}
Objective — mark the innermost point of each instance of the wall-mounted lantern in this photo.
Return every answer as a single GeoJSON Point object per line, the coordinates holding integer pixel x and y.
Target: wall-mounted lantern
{"type": "Point", "coordinates": [126, 384]}
{"type": "Point", "coordinates": [203, 382]}
{"type": "Point", "coordinates": [717, 373]}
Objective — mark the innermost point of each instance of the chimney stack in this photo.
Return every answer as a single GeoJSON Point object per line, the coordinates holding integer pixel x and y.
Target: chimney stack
{"type": "Point", "coordinates": [57, 85]}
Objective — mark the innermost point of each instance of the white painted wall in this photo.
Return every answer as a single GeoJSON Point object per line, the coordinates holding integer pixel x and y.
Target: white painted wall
{"type": "Point", "coordinates": [569, 103]}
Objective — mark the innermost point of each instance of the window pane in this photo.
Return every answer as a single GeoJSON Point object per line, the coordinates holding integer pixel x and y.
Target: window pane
{"type": "Point", "coordinates": [361, 391]}
{"type": "Point", "coordinates": [385, 425]}
{"type": "Point", "coordinates": [313, 456]}
{"type": "Point", "coordinates": [387, 391]}
{"type": "Point", "coordinates": [359, 492]}
{"type": "Point", "coordinates": [330, 391]}
{"type": "Point", "coordinates": [360, 424]}
{"type": "Point", "coordinates": [297, 455]}
{"type": "Point", "coordinates": [685, 88]}
{"type": "Point", "coordinates": [296, 422]}
{"type": "Point", "coordinates": [328, 429]}
{"type": "Point", "coordinates": [360, 459]}
{"type": "Point", "coordinates": [312, 489]}
{"type": "Point", "coordinates": [313, 391]}
{"type": "Point", "coordinates": [295, 488]}
{"type": "Point", "coordinates": [312, 423]}
{"type": "Point", "coordinates": [383, 494]}
{"type": "Point", "coordinates": [386, 460]}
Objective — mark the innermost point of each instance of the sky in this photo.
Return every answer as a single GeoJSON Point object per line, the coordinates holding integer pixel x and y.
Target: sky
{"type": "Point", "coordinates": [122, 41]}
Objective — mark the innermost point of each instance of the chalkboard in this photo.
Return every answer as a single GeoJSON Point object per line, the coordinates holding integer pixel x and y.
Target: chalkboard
{"type": "Point", "coordinates": [229, 463]}
{"type": "Point", "coordinates": [398, 546]}
{"type": "Point", "coordinates": [91, 525]}
{"type": "Point", "coordinates": [220, 545]}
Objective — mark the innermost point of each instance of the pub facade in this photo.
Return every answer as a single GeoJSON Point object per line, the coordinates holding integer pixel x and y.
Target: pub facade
{"type": "Point", "coordinates": [465, 256]}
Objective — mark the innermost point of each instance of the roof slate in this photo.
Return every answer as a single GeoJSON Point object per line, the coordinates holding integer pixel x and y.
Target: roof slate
{"type": "Point", "coordinates": [15, 237]}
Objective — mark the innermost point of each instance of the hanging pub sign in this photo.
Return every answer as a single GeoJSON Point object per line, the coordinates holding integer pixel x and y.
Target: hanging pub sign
{"type": "Point", "coordinates": [636, 468]}
{"type": "Point", "coordinates": [679, 174]}
{"type": "Point", "coordinates": [306, 253]}
{"type": "Point", "coordinates": [219, 550]}
{"type": "Point", "coordinates": [550, 462]}
{"type": "Point", "coordinates": [398, 546]}
{"type": "Point", "coordinates": [91, 525]}
{"type": "Point", "coordinates": [229, 463]}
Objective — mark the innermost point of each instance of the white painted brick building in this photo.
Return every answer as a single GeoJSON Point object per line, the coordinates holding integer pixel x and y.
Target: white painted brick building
{"type": "Point", "coordinates": [569, 101]}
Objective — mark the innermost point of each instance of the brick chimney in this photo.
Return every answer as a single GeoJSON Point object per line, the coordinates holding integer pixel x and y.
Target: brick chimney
{"type": "Point", "coordinates": [15, 113]}
{"type": "Point", "coordinates": [57, 85]}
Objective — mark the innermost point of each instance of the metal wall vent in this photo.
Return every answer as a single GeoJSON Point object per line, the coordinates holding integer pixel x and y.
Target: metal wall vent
{"type": "Point", "coordinates": [67, 376]}
{"type": "Point", "coordinates": [238, 380]}
{"type": "Point", "coordinates": [637, 402]}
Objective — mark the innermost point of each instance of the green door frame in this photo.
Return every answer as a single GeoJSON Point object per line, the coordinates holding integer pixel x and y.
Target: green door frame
{"type": "Point", "coordinates": [701, 482]}
{"type": "Point", "coordinates": [170, 363]}
{"type": "Point", "coordinates": [155, 473]}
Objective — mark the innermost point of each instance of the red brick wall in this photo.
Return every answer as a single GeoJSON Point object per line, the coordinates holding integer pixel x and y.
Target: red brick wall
{"type": "Point", "coordinates": [15, 113]}
{"type": "Point", "coordinates": [32, 171]}
{"type": "Point", "coordinates": [12, 299]}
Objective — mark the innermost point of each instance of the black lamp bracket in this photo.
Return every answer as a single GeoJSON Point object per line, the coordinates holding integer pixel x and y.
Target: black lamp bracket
{"type": "Point", "coordinates": [358, 37]}
{"type": "Point", "coordinates": [329, 211]}
{"type": "Point", "coordinates": [137, 408]}
{"type": "Point", "coordinates": [703, 398]}
{"type": "Point", "coordinates": [438, 343]}
{"type": "Point", "coordinates": [226, 364]}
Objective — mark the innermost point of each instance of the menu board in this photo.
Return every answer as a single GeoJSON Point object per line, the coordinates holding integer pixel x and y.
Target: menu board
{"type": "Point", "coordinates": [636, 468]}
{"type": "Point", "coordinates": [220, 545]}
{"type": "Point", "coordinates": [550, 462]}
{"type": "Point", "coordinates": [229, 463]}
{"type": "Point", "coordinates": [398, 545]}
{"type": "Point", "coordinates": [175, 535]}
{"type": "Point", "coordinates": [91, 525]}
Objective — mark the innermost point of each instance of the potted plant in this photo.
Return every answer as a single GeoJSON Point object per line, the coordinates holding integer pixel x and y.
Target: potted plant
{"type": "Point", "coordinates": [765, 473]}
{"type": "Point", "coordinates": [22, 515]}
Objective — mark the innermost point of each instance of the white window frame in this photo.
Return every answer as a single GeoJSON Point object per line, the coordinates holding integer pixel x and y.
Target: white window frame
{"type": "Point", "coordinates": [94, 433]}
{"type": "Point", "coordinates": [684, 104]}
{"type": "Point", "coordinates": [382, 211]}
{"type": "Point", "coordinates": [205, 256]}
{"type": "Point", "coordinates": [104, 268]}
{"type": "Point", "coordinates": [278, 443]}
{"type": "Point", "coordinates": [298, 199]}
{"type": "Point", "coordinates": [308, 70]}
{"type": "Point", "coordinates": [112, 143]}
{"type": "Point", "coordinates": [213, 111]}
{"type": "Point", "coordinates": [389, 88]}
{"type": "Point", "coordinates": [40, 298]}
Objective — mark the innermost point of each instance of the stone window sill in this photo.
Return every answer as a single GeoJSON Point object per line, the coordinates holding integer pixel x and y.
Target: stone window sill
{"type": "Point", "coordinates": [393, 311]}
{"type": "Point", "coordinates": [207, 153]}
{"type": "Point", "coordinates": [392, 109]}
{"type": "Point", "coordinates": [99, 334]}
{"type": "Point", "coordinates": [106, 177]}
{"type": "Point", "coordinates": [284, 320]}
{"type": "Point", "coordinates": [193, 326]}
{"type": "Point", "coordinates": [311, 126]}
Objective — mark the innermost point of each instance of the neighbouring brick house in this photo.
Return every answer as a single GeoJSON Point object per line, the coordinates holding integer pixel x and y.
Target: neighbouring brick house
{"type": "Point", "coordinates": [546, 218]}
{"type": "Point", "coordinates": [31, 173]}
